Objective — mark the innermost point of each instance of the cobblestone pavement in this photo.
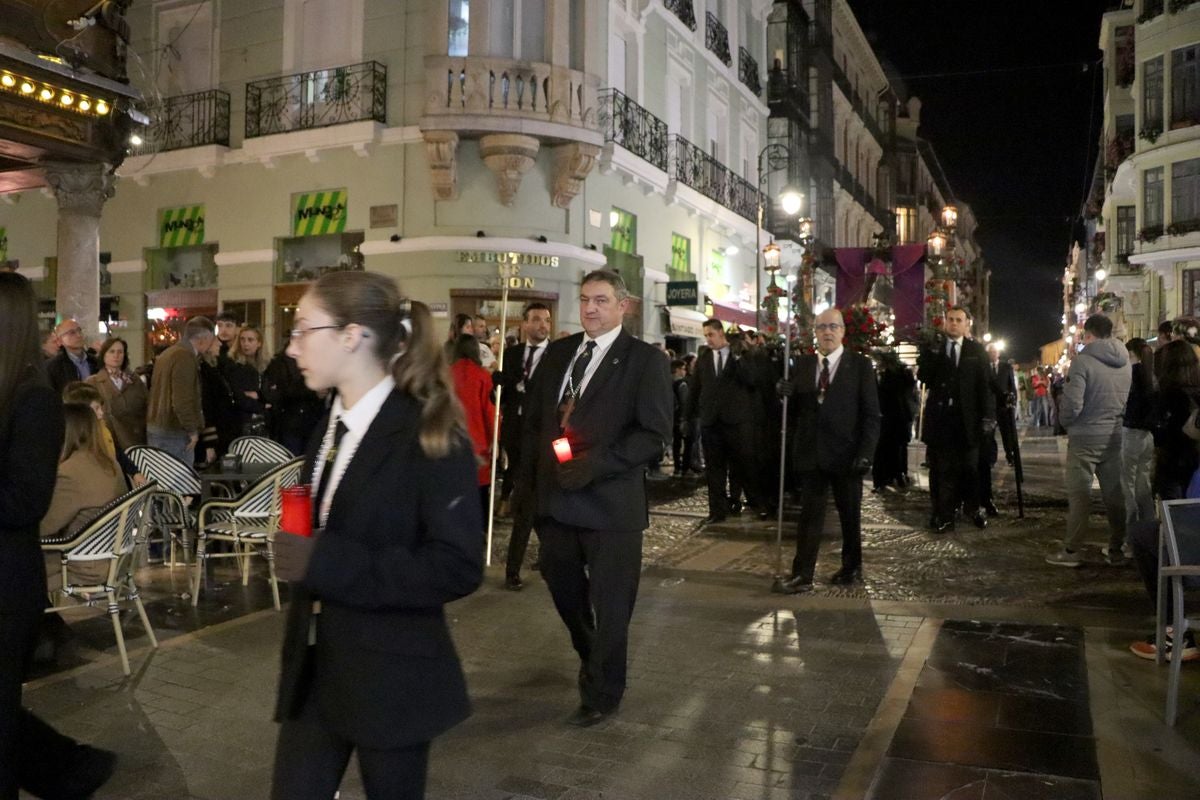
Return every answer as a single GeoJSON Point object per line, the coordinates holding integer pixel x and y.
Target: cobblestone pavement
{"type": "Point", "coordinates": [734, 692]}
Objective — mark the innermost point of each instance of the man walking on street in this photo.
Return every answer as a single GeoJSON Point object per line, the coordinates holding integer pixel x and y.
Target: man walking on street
{"type": "Point", "coordinates": [1092, 410]}
{"type": "Point", "coordinates": [74, 362]}
{"type": "Point", "coordinates": [959, 412]}
{"type": "Point", "coordinates": [834, 410]}
{"type": "Point", "coordinates": [520, 364]}
{"type": "Point", "coordinates": [175, 417]}
{"type": "Point", "coordinates": [597, 413]}
{"type": "Point", "coordinates": [1003, 384]}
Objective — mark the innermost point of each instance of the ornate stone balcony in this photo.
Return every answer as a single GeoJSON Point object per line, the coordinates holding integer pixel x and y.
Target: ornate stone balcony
{"type": "Point", "coordinates": [512, 107]}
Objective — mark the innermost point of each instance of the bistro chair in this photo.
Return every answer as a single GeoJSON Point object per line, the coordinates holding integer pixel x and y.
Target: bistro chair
{"type": "Point", "coordinates": [171, 513]}
{"type": "Point", "coordinates": [260, 450]}
{"type": "Point", "coordinates": [112, 536]}
{"type": "Point", "coordinates": [248, 522]}
{"type": "Point", "coordinates": [1180, 520]}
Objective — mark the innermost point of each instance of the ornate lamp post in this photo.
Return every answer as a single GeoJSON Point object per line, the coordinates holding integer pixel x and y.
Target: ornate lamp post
{"type": "Point", "coordinates": [790, 200]}
{"type": "Point", "coordinates": [940, 255]}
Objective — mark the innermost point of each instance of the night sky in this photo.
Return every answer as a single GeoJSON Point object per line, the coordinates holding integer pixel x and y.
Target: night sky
{"type": "Point", "coordinates": [1017, 138]}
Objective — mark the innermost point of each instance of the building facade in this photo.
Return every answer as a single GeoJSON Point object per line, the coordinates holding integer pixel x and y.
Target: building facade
{"type": "Point", "coordinates": [1145, 209]}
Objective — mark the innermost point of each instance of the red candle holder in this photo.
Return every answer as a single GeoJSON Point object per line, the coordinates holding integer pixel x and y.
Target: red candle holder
{"type": "Point", "coordinates": [296, 510]}
{"type": "Point", "coordinates": [562, 450]}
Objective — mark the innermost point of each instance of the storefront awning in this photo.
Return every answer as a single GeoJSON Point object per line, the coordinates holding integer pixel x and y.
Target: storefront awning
{"type": "Point", "coordinates": [733, 314]}
{"type": "Point", "coordinates": [686, 322]}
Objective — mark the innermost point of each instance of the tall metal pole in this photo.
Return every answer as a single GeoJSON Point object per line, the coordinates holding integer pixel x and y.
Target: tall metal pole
{"type": "Point", "coordinates": [491, 522]}
{"type": "Point", "coordinates": [787, 360]}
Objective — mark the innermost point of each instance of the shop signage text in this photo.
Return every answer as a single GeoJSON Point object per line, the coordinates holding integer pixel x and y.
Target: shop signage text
{"type": "Point", "coordinates": [683, 293]}
{"type": "Point", "coordinates": [516, 259]}
{"type": "Point", "coordinates": [181, 227]}
{"type": "Point", "coordinates": [317, 213]}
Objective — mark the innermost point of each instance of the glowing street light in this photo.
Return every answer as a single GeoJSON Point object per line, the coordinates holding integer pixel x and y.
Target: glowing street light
{"type": "Point", "coordinates": [1101, 274]}
{"type": "Point", "coordinates": [949, 216]}
{"type": "Point", "coordinates": [790, 201]}
{"type": "Point", "coordinates": [987, 337]}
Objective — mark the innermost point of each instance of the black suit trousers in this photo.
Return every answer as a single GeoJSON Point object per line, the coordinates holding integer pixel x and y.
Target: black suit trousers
{"type": "Point", "coordinates": [593, 577]}
{"type": "Point", "coordinates": [847, 498]}
{"type": "Point", "coordinates": [729, 458]}
{"type": "Point", "coordinates": [953, 476]}
{"type": "Point", "coordinates": [310, 761]}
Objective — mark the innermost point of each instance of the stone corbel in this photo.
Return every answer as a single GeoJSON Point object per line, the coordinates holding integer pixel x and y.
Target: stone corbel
{"type": "Point", "coordinates": [572, 164]}
{"type": "Point", "coordinates": [441, 148]}
{"type": "Point", "coordinates": [509, 156]}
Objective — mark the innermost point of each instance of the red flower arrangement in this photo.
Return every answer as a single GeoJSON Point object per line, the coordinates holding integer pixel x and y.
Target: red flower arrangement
{"type": "Point", "coordinates": [863, 331]}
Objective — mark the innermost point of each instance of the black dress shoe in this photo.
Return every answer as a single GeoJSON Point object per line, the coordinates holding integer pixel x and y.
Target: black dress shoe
{"type": "Point", "coordinates": [513, 583]}
{"type": "Point", "coordinates": [792, 586]}
{"type": "Point", "coordinates": [980, 519]}
{"type": "Point", "coordinates": [586, 717]}
{"type": "Point", "coordinates": [944, 527]}
{"type": "Point", "coordinates": [764, 514]}
{"type": "Point", "coordinates": [991, 509]}
{"type": "Point", "coordinates": [844, 577]}
{"type": "Point", "coordinates": [712, 519]}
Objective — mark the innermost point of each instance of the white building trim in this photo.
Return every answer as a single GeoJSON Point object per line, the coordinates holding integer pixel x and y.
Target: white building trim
{"type": "Point", "coordinates": [131, 267]}
{"type": "Point", "coordinates": [228, 258]}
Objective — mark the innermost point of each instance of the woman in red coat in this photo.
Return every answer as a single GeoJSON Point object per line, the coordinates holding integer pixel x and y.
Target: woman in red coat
{"type": "Point", "coordinates": [473, 385]}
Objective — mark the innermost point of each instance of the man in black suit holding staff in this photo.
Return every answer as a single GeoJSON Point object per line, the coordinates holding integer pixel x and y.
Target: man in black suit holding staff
{"type": "Point", "coordinates": [608, 396]}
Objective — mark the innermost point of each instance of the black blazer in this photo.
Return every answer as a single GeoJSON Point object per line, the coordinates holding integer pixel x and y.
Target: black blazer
{"type": "Point", "coordinates": [619, 425]}
{"type": "Point", "coordinates": [61, 369]}
{"type": "Point", "coordinates": [730, 397]}
{"type": "Point", "coordinates": [959, 400]}
{"type": "Point", "coordinates": [511, 375]}
{"type": "Point", "coordinates": [831, 436]}
{"type": "Point", "coordinates": [31, 439]}
{"type": "Point", "coordinates": [1003, 383]}
{"type": "Point", "coordinates": [402, 540]}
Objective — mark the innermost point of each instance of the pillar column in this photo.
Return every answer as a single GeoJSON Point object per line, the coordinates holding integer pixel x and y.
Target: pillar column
{"type": "Point", "coordinates": [80, 190]}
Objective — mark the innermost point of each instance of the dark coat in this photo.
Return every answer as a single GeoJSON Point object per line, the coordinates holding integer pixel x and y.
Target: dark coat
{"type": "Point", "coordinates": [731, 397]}
{"type": "Point", "coordinates": [295, 409]}
{"type": "Point", "coordinates": [619, 426]}
{"type": "Point", "coordinates": [402, 540]}
{"type": "Point", "coordinates": [832, 435]}
{"type": "Point", "coordinates": [61, 369]}
{"type": "Point", "coordinates": [1003, 383]}
{"type": "Point", "coordinates": [959, 399]}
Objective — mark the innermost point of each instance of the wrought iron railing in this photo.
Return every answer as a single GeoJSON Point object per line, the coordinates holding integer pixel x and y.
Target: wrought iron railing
{"type": "Point", "coordinates": [317, 99]}
{"type": "Point", "coordinates": [748, 71]}
{"type": "Point", "coordinates": [695, 168]}
{"type": "Point", "coordinates": [637, 130]}
{"type": "Point", "coordinates": [684, 10]}
{"type": "Point", "coordinates": [716, 38]}
{"type": "Point", "coordinates": [743, 197]}
{"type": "Point", "coordinates": [186, 120]}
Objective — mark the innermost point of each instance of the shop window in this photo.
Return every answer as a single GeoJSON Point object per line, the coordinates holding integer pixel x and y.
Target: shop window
{"type": "Point", "coordinates": [1152, 96]}
{"type": "Point", "coordinates": [306, 258]}
{"type": "Point", "coordinates": [1185, 192]}
{"type": "Point", "coordinates": [1152, 197]}
{"type": "Point", "coordinates": [681, 257]}
{"type": "Point", "coordinates": [188, 267]}
{"type": "Point", "coordinates": [718, 276]}
{"type": "Point", "coordinates": [624, 231]}
{"type": "Point", "coordinates": [248, 312]}
{"type": "Point", "coordinates": [1185, 86]}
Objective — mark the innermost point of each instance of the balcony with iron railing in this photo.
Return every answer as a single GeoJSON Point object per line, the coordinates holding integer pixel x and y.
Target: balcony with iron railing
{"type": "Point", "coordinates": [684, 10]}
{"type": "Point", "coordinates": [188, 120]}
{"type": "Point", "coordinates": [716, 38]}
{"type": "Point", "coordinates": [693, 167]}
{"type": "Point", "coordinates": [317, 99]}
{"type": "Point", "coordinates": [743, 197]}
{"type": "Point", "coordinates": [634, 128]}
{"type": "Point", "coordinates": [748, 71]}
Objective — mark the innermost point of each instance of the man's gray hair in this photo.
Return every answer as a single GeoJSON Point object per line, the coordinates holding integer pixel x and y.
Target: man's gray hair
{"type": "Point", "coordinates": [611, 278]}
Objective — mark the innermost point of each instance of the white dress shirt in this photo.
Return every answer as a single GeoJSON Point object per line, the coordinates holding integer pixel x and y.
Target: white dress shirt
{"type": "Point", "coordinates": [539, 350]}
{"type": "Point", "coordinates": [720, 360]}
{"type": "Point", "coordinates": [958, 343]}
{"type": "Point", "coordinates": [835, 358]}
{"type": "Point", "coordinates": [357, 420]}
{"type": "Point", "coordinates": [603, 343]}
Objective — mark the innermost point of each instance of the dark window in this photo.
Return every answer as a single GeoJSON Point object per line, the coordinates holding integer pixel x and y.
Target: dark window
{"type": "Point", "coordinates": [1152, 197]}
{"type": "Point", "coordinates": [1191, 292]}
{"type": "Point", "coordinates": [1185, 191]}
{"type": "Point", "coordinates": [1152, 94]}
{"type": "Point", "coordinates": [1125, 126]}
{"type": "Point", "coordinates": [1185, 86]}
{"type": "Point", "coordinates": [1126, 228]}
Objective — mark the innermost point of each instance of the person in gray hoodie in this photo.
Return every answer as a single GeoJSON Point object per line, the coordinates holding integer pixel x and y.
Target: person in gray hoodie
{"type": "Point", "coordinates": [1092, 410]}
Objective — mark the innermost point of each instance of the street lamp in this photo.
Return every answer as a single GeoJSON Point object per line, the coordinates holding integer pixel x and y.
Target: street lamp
{"type": "Point", "coordinates": [1101, 274]}
{"type": "Point", "coordinates": [790, 201]}
{"type": "Point", "coordinates": [949, 217]}
{"type": "Point", "coordinates": [936, 243]}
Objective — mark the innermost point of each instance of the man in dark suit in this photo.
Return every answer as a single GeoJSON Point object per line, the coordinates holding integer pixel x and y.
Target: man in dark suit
{"type": "Point", "coordinates": [520, 364]}
{"type": "Point", "coordinates": [727, 403]}
{"type": "Point", "coordinates": [960, 410]}
{"type": "Point", "coordinates": [74, 361]}
{"type": "Point", "coordinates": [609, 396]}
{"type": "Point", "coordinates": [834, 427]}
{"type": "Point", "coordinates": [1003, 384]}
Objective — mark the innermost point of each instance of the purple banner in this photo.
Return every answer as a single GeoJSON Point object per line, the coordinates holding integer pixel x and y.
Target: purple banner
{"type": "Point", "coordinates": [908, 280]}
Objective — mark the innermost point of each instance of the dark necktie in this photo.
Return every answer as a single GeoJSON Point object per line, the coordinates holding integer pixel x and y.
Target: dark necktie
{"type": "Point", "coordinates": [339, 431]}
{"type": "Point", "coordinates": [954, 352]}
{"type": "Point", "coordinates": [579, 369]}
{"type": "Point", "coordinates": [720, 362]}
{"type": "Point", "coordinates": [528, 360]}
{"type": "Point", "coordinates": [823, 381]}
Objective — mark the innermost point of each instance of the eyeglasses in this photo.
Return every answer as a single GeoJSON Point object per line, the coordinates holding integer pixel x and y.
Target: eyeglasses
{"type": "Point", "coordinates": [72, 332]}
{"type": "Point", "coordinates": [296, 334]}
{"type": "Point", "coordinates": [828, 326]}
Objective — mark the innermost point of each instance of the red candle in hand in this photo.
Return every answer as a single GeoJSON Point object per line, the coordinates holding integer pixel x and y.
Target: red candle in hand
{"type": "Point", "coordinates": [296, 510]}
{"type": "Point", "coordinates": [562, 449]}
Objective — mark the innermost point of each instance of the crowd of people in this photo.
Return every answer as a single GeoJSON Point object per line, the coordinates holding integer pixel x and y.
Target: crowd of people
{"type": "Point", "coordinates": [398, 429]}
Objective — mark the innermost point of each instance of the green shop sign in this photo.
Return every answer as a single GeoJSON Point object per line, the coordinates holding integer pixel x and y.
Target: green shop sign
{"type": "Point", "coordinates": [3, 244]}
{"type": "Point", "coordinates": [181, 227]}
{"type": "Point", "coordinates": [315, 213]}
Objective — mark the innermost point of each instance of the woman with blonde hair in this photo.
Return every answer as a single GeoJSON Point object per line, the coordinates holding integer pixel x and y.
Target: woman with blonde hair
{"type": "Point", "coordinates": [368, 663]}
{"type": "Point", "coordinates": [243, 372]}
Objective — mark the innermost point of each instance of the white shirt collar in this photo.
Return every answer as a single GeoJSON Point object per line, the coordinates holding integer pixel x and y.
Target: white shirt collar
{"type": "Point", "coordinates": [603, 341]}
{"type": "Point", "coordinates": [359, 418]}
{"type": "Point", "coordinates": [833, 357]}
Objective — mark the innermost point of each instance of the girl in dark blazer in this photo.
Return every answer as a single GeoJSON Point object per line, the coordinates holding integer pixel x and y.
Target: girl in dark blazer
{"type": "Point", "coordinates": [33, 756]}
{"type": "Point", "coordinates": [368, 662]}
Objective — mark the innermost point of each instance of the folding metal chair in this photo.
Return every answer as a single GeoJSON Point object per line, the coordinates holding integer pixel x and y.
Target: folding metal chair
{"type": "Point", "coordinates": [1180, 525]}
{"type": "Point", "coordinates": [260, 450]}
{"type": "Point", "coordinates": [170, 512]}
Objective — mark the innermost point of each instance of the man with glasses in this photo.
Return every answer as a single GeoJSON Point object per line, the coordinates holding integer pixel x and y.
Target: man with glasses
{"type": "Point", "coordinates": [834, 425]}
{"type": "Point", "coordinates": [175, 415]}
{"type": "Point", "coordinates": [74, 362]}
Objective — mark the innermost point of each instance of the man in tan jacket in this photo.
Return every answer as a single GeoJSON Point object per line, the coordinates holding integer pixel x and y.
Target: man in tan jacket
{"type": "Point", "coordinates": [175, 416]}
